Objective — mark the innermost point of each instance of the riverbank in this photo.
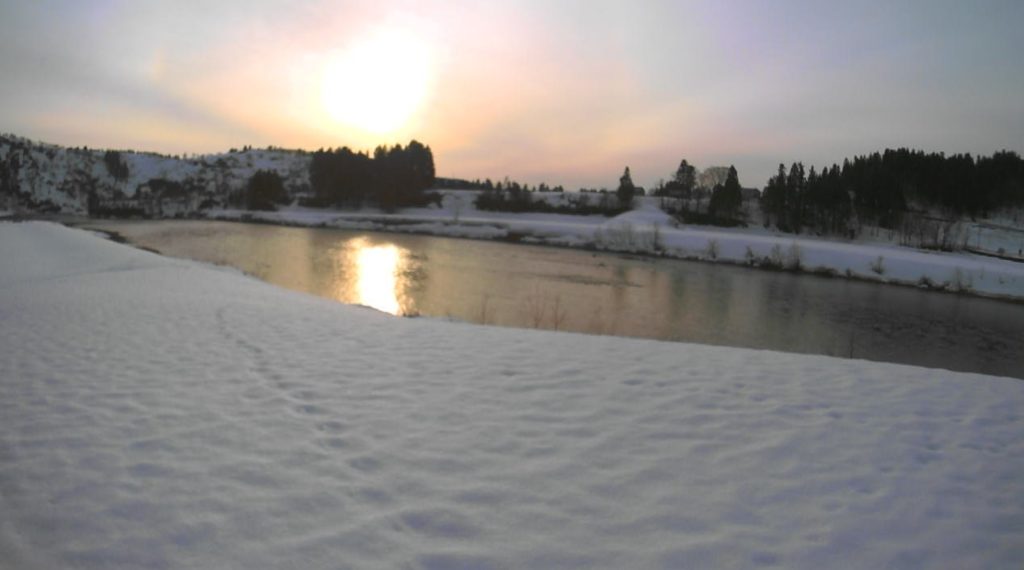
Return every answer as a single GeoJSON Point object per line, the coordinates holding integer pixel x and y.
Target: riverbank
{"type": "Point", "coordinates": [165, 413]}
{"type": "Point", "coordinates": [649, 231]}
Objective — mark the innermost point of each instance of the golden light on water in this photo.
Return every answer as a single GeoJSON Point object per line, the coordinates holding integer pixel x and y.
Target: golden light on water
{"type": "Point", "coordinates": [377, 277]}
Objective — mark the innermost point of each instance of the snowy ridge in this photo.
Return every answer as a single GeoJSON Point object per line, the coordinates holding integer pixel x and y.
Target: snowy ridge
{"type": "Point", "coordinates": [161, 413]}
{"type": "Point", "coordinates": [49, 176]}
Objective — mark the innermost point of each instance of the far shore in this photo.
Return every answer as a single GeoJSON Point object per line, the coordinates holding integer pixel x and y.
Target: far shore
{"type": "Point", "coordinates": [649, 232]}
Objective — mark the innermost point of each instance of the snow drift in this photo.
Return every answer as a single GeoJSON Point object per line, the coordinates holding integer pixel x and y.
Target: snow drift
{"type": "Point", "coordinates": [161, 413]}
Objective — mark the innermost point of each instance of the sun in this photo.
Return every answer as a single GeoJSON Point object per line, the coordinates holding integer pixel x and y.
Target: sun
{"type": "Point", "coordinates": [378, 84]}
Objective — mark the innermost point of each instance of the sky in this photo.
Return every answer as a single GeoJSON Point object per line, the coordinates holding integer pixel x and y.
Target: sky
{"type": "Point", "coordinates": [567, 92]}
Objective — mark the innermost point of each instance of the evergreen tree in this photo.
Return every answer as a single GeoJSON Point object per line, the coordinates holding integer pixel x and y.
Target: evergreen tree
{"type": "Point", "coordinates": [392, 178]}
{"type": "Point", "coordinates": [684, 180]}
{"type": "Point", "coordinates": [795, 182]}
{"type": "Point", "coordinates": [773, 200]}
{"type": "Point", "coordinates": [727, 198]}
{"type": "Point", "coordinates": [882, 188]}
{"type": "Point", "coordinates": [264, 190]}
{"type": "Point", "coordinates": [626, 190]}
{"type": "Point", "coordinates": [116, 166]}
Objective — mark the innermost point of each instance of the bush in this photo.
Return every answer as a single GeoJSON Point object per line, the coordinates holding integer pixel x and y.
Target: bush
{"type": "Point", "coordinates": [712, 250]}
{"type": "Point", "coordinates": [748, 257]}
{"type": "Point", "coordinates": [624, 237]}
{"type": "Point", "coordinates": [701, 219]}
{"type": "Point", "coordinates": [424, 199]}
{"type": "Point", "coordinates": [657, 243]}
{"type": "Point", "coordinates": [519, 201]}
{"type": "Point", "coordinates": [878, 265]}
{"type": "Point", "coordinates": [774, 259]}
{"type": "Point", "coordinates": [794, 258]}
{"type": "Point", "coordinates": [962, 282]}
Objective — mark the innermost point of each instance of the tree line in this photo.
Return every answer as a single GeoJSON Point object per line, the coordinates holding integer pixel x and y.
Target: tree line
{"type": "Point", "coordinates": [390, 178]}
{"type": "Point", "coordinates": [511, 196]}
{"type": "Point", "coordinates": [687, 189]}
{"type": "Point", "coordinates": [488, 184]}
{"type": "Point", "coordinates": [882, 188]}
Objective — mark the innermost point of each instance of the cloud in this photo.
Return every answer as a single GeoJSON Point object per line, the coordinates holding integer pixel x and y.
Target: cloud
{"type": "Point", "coordinates": [568, 92]}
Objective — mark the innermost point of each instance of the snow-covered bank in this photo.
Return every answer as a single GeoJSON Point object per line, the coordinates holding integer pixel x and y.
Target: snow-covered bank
{"type": "Point", "coordinates": [161, 413]}
{"type": "Point", "coordinates": [649, 230]}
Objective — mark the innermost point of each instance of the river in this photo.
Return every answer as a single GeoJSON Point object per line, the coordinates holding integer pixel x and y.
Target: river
{"type": "Point", "coordinates": [597, 293]}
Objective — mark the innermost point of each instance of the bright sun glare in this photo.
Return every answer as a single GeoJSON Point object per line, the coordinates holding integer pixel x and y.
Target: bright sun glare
{"type": "Point", "coordinates": [377, 284]}
{"type": "Point", "coordinates": [378, 83]}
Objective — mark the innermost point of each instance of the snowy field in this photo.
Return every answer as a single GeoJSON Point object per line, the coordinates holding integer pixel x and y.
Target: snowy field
{"type": "Point", "coordinates": [160, 413]}
{"type": "Point", "coordinates": [647, 229]}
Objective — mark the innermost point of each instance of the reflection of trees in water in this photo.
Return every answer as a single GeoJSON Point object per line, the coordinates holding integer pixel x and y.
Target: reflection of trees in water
{"type": "Point", "coordinates": [541, 308]}
{"type": "Point", "coordinates": [618, 298]}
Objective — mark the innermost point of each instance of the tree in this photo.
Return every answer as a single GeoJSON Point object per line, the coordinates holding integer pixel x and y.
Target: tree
{"type": "Point", "coordinates": [883, 188]}
{"type": "Point", "coordinates": [115, 164]}
{"type": "Point", "coordinates": [264, 190]}
{"type": "Point", "coordinates": [712, 176]}
{"type": "Point", "coordinates": [727, 198]}
{"type": "Point", "coordinates": [626, 190]}
{"type": "Point", "coordinates": [420, 165]}
{"type": "Point", "coordinates": [773, 199]}
{"type": "Point", "coordinates": [684, 180]}
{"type": "Point", "coordinates": [795, 182]}
{"type": "Point", "coordinates": [392, 178]}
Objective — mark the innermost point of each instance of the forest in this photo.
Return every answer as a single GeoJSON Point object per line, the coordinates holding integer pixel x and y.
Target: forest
{"type": "Point", "coordinates": [883, 188]}
{"type": "Point", "coordinates": [390, 178]}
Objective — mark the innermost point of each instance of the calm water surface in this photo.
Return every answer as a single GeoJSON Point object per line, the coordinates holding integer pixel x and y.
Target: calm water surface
{"type": "Point", "coordinates": [528, 286]}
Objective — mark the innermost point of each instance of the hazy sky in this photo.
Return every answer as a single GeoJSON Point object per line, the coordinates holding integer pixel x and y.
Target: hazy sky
{"type": "Point", "coordinates": [561, 91]}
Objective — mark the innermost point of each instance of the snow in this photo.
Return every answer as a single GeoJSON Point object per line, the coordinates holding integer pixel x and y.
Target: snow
{"type": "Point", "coordinates": [56, 178]}
{"type": "Point", "coordinates": [161, 413]}
{"type": "Point", "coordinates": [61, 177]}
{"type": "Point", "coordinates": [647, 229]}
{"type": "Point", "coordinates": [997, 239]}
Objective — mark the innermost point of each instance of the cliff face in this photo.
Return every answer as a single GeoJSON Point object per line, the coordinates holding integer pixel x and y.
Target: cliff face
{"type": "Point", "coordinates": [43, 177]}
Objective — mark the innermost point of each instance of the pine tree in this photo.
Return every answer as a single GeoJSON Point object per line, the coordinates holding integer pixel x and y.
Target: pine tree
{"type": "Point", "coordinates": [733, 192]}
{"type": "Point", "coordinates": [727, 198]}
{"type": "Point", "coordinates": [626, 190]}
{"type": "Point", "coordinates": [795, 183]}
{"type": "Point", "coordinates": [685, 180]}
{"type": "Point", "coordinates": [773, 201]}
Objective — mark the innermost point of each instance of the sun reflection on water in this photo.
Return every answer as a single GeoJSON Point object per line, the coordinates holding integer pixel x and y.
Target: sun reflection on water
{"type": "Point", "coordinates": [377, 269]}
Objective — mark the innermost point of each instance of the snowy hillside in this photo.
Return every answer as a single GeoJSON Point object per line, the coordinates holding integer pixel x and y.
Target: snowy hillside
{"type": "Point", "coordinates": [160, 413]}
{"type": "Point", "coordinates": [42, 176]}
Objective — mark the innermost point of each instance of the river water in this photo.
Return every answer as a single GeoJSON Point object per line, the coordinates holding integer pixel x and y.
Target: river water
{"type": "Point", "coordinates": [542, 287]}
